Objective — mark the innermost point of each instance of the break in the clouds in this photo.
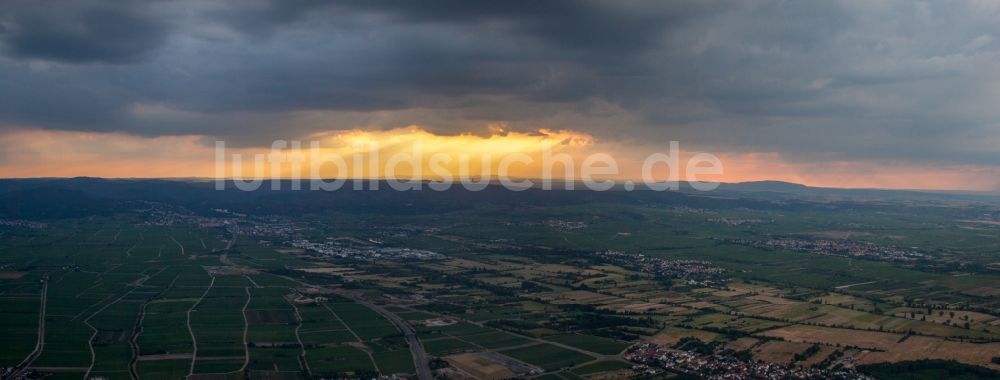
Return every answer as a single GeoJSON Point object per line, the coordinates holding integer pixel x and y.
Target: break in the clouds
{"type": "Point", "coordinates": [914, 83]}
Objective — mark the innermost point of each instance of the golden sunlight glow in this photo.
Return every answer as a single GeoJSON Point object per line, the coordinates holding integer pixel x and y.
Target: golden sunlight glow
{"type": "Point", "coordinates": [498, 142]}
{"type": "Point", "coordinates": [374, 151]}
{"type": "Point", "coordinates": [40, 153]}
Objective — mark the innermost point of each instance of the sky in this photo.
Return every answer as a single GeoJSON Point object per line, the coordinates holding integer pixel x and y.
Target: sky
{"type": "Point", "coordinates": [888, 94]}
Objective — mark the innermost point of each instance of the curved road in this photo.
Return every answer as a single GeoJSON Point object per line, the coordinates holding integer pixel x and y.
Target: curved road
{"type": "Point", "coordinates": [40, 344]}
{"type": "Point", "coordinates": [416, 348]}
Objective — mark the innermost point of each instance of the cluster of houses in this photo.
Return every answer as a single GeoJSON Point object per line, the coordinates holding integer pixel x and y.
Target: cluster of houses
{"type": "Point", "coordinates": [17, 223]}
{"type": "Point", "coordinates": [695, 271]}
{"type": "Point", "coordinates": [347, 251]}
{"type": "Point", "coordinates": [564, 225]}
{"type": "Point", "coordinates": [655, 359]}
{"type": "Point", "coordinates": [849, 248]}
{"type": "Point", "coordinates": [735, 222]}
{"type": "Point", "coordinates": [158, 214]}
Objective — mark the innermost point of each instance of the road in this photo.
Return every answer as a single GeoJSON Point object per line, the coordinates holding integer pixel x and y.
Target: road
{"type": "Point", "coordinates": [598, 357]}
{"type": "Point", "coordinates": [194, 340]}
{"type": "Point", "coordinates": [133, 341]}
{"type": "Point", "coordinates": [298, 338]}
{"type": "Point", "coordinates": [90, 343]}
{"type": "Point", "coordinates": [179, 245]}
{"type": "Point", "coordinates": [246, 330]}
{"type": "Point", "coordinates": [852, 285]}
{"type": "Point", "coordinates": [416, 348]}
{"type": "Point", "coordinates": [356, 337]}
{"type": "Point", "coordinates": [40, 344]}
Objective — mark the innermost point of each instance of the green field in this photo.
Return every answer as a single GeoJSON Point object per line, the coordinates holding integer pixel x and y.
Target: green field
{"type": "Point", "coordinates": [548, 356]}
{"type": "Point", "coordinates": [171, 299]}
{"type": "Point", "coordinates": [590, 343]}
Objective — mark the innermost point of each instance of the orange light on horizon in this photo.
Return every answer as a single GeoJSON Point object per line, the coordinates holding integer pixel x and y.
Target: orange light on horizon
{"type": "Point", "coordinates": [43, 153]}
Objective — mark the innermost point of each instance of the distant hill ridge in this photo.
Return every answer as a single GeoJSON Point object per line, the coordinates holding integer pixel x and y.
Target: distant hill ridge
{"type": "Point", "coordinates": [51, 198]}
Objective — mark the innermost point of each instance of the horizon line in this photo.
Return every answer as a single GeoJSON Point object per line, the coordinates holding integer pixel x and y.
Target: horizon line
{"type": "Point", "coordinates": [617, 182]}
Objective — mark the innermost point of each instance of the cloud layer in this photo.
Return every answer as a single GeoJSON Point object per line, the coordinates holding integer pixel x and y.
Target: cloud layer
{"type": "Point", "coordinates": [914, 83]}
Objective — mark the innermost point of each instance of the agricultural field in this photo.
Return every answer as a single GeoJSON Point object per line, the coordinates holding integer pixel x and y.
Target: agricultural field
{"type": "Point", "coordinates": [566, 291]}
{"type": "Point", "coordinates": [169, 306]}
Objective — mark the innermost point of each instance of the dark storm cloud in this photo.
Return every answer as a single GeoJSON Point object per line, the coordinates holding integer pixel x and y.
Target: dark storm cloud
{"type": "Point", "coordinates": [598, 27]}
{"type": "Point", "coordinates": [897, 80]}
{"type": "Point", "coordinates": [77, 32]}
